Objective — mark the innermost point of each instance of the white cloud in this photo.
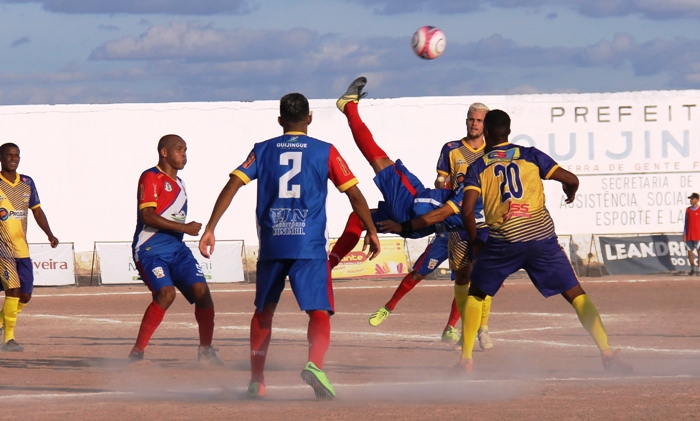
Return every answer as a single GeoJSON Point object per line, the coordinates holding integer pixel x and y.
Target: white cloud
{"type": "Point", "coordinates": [170, 7]}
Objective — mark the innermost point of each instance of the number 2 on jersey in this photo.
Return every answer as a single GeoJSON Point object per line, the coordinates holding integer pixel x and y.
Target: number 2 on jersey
{"type": "Point", "coordinates": [511, 179]}
{"type": "Point", "coordinates": [286, 190]}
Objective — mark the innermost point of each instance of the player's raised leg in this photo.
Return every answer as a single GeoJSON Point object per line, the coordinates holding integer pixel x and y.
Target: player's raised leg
{"type": "Point", "coordinates": [347, 104]}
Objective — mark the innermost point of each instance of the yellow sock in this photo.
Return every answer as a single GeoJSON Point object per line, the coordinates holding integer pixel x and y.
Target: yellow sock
{"type": "Point", "coordinates": [20, 306]}
{"type": "Point", "coordinates": [485, 312]}
{"type": "Point", "coordinates": [590, 319]}
{"type": "Point", "coordinates": [470, 324]}
{"type": "Point", "coordinates": [9, 310]}
{"type": "Point", "coordinates": [461, 293]}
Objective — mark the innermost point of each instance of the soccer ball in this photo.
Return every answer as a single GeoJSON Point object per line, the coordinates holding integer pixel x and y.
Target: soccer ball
{"type": "Point", "coordinates": [429, 42]}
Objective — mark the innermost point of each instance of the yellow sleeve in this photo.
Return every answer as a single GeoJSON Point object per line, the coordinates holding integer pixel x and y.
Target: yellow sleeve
{"type": "Point", "coordinates": [549, 174]}
{"type": "Point", "coordinates": [241, 175]}
{"type": "Point", "coordinates": [453, 206]}
{"type": "Point", "coordinates": [148, 205]}
{"type": "Point", "coordinates": [347, 185]}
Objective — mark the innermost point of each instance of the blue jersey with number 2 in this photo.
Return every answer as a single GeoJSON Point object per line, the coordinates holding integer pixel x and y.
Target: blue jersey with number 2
{"type": "Point", "coordinates": [293, 172]}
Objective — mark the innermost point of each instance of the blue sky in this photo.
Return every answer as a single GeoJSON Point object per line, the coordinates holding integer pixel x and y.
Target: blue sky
{"type": "Point", "coordinates": [106, 51]}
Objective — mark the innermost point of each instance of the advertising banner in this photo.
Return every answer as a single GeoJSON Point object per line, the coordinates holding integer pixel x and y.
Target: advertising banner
{"type": "Point", "coordinates": [225, 265]}
{"type": "Point", "coordinates": [391, 262]}
{"type": "Point", "coordinates": [117, 265]}
{"type": "Point", "coordinates": [644, 254]}
{"type": "Point", "coordinates": [53, 267]}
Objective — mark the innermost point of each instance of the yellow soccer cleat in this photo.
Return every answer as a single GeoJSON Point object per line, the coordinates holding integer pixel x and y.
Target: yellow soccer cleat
{"type": "Point", "coordinates": [450, 334]}
{"type": "Point", "coordinates": [379, 316]}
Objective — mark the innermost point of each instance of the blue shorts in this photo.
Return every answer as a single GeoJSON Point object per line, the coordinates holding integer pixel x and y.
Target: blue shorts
{"type": "Point", "coordinates": [177, 267]}
{"type": "Point", "coordinates": [433, 256]}
{"type": "Point", "coordinates": [17, 273]}
{"type": "Point", "coordinates": [544, 261]}
{"type": "Point", "coordinates": [693, 245]}
{"type": "Point", "coordinates": [399, 188]}
{"type": "Point", "coordinates": [310, 280]}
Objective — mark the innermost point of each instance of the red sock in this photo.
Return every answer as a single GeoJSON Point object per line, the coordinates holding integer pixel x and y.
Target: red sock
{"type": "Point", "coordinates": [319, 335]}
{"type": "Point", "coordinates": [260, 334]}
{"type": "Point", "coordinates": [347, 241]}
{"type": "Point", "coordinates": [454, 314]}
{"type": "Point", "coordinates": [362, 135]}
{"type": "Point", "coordinates": [205, 320]}
{"type": "Point", "coordinates": [407, 284]}
{"type": "Point", "coordinates": [150, 322]}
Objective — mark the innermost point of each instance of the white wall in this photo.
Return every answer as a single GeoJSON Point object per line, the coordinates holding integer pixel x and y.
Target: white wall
{"type": "Point", "coordinates": [86, 159]}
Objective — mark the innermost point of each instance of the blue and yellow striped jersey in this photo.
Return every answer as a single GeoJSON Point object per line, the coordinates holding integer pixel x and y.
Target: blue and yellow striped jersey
{"type": "Point", "coordinates": [16, 199]}
{"type": "Point", "coordinates": [455, 158]}
{"type": "Point", "coordinates": [509, 178]}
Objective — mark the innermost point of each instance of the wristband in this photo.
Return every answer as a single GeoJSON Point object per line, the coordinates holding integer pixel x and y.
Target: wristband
{"type": "Point", "coordinates": [406, 228]}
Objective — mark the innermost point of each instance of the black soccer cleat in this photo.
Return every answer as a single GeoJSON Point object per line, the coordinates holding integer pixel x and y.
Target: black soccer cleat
{"type": "Point", "coordinates": [353, 94]}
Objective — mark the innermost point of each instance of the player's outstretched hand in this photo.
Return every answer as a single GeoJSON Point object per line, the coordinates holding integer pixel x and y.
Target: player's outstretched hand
{"type": "Point", "coordinates": [371, 241]}
{"type": "Point", "coordinates": [192, 228]}
{"type": "Point", "coordinates": [389, 226]}
{"type": "Point", "coordinates": [206, 244]}
{"type": "Point", "coordinates": [53, 241]}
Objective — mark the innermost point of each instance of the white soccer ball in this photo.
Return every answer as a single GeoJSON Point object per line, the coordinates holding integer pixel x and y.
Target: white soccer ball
{"type": "Point", "coordinates": [429, 42]}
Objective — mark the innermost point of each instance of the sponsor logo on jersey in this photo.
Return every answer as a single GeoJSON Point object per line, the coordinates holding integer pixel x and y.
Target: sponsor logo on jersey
{"type": "Point", "coordinates": [249, 161]}
{"type": "Point", "coordinates": [158, 271]}
{"type": "Point", "coordinates": [179, 217]}
{"type": "Point", "coordinates": [14, 214]}
{"type": "Point", "coordinates": [288, 145]}
{"type": "Point", "coordinates": [287, 221]}
{"type": "Point", "coordinates": [343, 166]}
{"type": "Point", "coordinates": [519, 210]}
{"type": "Point", "coordinates": [142, 192]}
{"type": "Point", "coordinates": [168, 186]}
{"type": "Point", "coordinates": [502, 156]}
{"type": "Point", "coordinates": [432, 264]}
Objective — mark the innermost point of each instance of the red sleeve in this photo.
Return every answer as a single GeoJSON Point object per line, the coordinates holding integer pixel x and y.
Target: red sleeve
{"type": "Point", "coordinates": [338, 171]}
{"type": "Point", "coordinates": [148, 190]}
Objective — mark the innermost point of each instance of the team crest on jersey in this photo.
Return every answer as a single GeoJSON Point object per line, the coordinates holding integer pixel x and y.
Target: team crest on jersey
{"type": "Point", "coordinates": [432, 264]}
{"type": "Point", "coordinates": [502, 156]}
{"type": "Point", "coordinates": [286, 221]}
{"type": "Point", "coordinates": [168, 186]}
{"type": "Point", "coordinates": [158, 271]}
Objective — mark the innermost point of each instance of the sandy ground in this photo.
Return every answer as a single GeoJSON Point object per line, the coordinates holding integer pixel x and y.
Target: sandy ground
{"type": "Point", "coordinates": [544, 366]}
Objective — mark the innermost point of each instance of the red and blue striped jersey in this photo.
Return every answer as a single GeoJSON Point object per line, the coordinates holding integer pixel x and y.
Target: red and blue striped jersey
{"type": "Point", "coordinates": [168, 196]}
{"type": "Point", "coordinates": [293, 172]}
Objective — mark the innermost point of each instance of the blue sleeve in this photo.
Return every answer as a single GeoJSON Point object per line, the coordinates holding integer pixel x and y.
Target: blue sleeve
{"type": "Point", "coordinates": [456, 197]}
{"type": "Point", "coordinates": [443, 164]}
{"type": "Point", "coordinates": [471, 179]}
{"type": "Point", "coordinates": [544, 162]}
{"type": "Point", "coordinates": [33, 195]}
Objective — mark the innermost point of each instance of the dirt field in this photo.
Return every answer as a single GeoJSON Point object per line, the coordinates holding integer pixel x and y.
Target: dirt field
{"type": "Point", "coordinates": [544, 366]}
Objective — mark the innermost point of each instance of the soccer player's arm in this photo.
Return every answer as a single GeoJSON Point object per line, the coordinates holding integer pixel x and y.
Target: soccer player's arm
{"type": "Point", "coordinates": [451, 207]}
{"type": "Point", "coordinates": [40, 216]}
{"type": "Point", "coordinates": [237, 179]}
{"type": "Point", "coordinates": [443, 167]}
{"type": "Point", "coordinates": [345, 181]}
{"type": "Point", "coordinates": [472, 192]}
{"type": "Point", "coordinates": [148, 203]}
{"type": "Point", "coordinates": [550, 170]}
{"type": "Point", "coordinates": [685, 225]}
